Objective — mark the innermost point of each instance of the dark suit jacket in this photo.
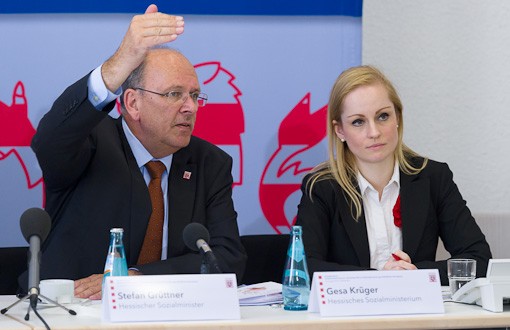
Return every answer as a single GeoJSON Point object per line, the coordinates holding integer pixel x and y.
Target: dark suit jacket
{"type": "Point", "coordinates": [93, 183]}
{"type": "Point", "coordinates": [431, 207]}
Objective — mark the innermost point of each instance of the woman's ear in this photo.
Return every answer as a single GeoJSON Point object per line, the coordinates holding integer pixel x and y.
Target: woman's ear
{"type": "Point", "coordinates": [338, 130]}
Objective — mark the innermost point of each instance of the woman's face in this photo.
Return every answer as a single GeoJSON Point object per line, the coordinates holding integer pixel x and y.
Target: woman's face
{"type": "Point", "coordinates": [369, 125]}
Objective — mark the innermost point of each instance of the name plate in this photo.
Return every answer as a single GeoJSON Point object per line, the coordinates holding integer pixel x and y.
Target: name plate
{"type": "Point", "coordinates": [170, 297]}
{"type": "Point", "coordinates": [349, 293]}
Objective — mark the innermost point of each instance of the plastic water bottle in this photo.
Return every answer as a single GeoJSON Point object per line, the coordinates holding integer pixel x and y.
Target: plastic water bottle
{"type": "Point", "coordinates": [116, 264]}
{"type": "Point", "coordinates": [296, 281]}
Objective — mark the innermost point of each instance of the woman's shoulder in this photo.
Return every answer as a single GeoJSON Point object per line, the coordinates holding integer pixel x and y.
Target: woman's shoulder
{"type": "Point", "coordinates": [320, 182]}
{"type": "Point", "coordinates": [432, 167]}
{"type": "Point", "coordinates": [320, 173]}
{"type": "Point", "coordinates": [431, 164]}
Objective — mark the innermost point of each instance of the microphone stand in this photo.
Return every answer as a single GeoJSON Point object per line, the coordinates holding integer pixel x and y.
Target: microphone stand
{"type": "Point", "coordinates": [33, 297]}
{"type": "Point", "coordinates": [35, 225]}
{"type": "Point", "coordinates": [209, 263]}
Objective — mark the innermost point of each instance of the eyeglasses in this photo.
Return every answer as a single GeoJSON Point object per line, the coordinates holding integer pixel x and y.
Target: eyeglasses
{"type": "Point", "coordinates": [199, 99]}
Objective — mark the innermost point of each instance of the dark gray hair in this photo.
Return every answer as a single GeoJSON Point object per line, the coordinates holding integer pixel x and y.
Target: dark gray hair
{"type": "Point", "coordinates": [135, 78]}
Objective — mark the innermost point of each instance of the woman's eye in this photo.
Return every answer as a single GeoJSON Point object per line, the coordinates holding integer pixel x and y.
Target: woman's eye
{"type": "Point", "coordinates": [357, 122]}
{"type": "Point", "coordinates": [384, 116]}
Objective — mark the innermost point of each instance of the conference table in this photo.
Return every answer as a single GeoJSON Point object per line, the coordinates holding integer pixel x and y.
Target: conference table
{"type": "Point", "coordinates": [456, 316]}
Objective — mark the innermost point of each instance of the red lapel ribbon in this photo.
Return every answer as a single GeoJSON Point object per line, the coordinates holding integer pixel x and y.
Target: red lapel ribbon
{"type": "Point", "coordinates": [397, 218]}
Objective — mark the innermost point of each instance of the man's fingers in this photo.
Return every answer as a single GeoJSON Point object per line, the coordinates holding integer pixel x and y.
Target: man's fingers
{"type": "Point", "coordinates": [151, 9]}
{"type": "Point", "coordinates": [89, 286]}
{"type": "Point", "coordinates": [149, 30]}
{"type": "Point", "coordinates": [96, 296]}
{"type": "Point", "coordinates": [159, 31]}
{"type": "Point", "coordinates": [159, 21]}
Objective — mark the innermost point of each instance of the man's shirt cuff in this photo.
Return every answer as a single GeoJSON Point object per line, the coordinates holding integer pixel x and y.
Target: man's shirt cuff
{"type": "Point", "coordinates": [98, 94]}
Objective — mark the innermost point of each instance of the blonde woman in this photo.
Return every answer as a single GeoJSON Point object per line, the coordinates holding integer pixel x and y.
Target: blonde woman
{"type": "Point", "coordinates": [376, 204]}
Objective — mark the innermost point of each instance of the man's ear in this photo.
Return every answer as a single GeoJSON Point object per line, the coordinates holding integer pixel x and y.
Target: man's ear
{"type": "Point", "coordinates": [131, 101]}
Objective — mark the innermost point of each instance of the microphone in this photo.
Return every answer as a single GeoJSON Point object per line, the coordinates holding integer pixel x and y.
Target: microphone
{"type": "Point", "coordinates": [35, 224]}
{"type": "Point", "coordinates": [196, 238]}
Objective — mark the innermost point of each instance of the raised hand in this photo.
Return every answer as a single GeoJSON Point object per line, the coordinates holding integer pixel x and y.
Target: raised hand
{"type": "Point", "coordinates": [145, 31]}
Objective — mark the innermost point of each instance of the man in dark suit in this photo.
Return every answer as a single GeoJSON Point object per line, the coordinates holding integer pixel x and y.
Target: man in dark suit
{"type": "Point", "coordinates": [94, 165]}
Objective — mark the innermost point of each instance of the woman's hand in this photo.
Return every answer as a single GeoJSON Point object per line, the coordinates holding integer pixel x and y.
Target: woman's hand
{"type": "Point", "coordinates": [399, 260]}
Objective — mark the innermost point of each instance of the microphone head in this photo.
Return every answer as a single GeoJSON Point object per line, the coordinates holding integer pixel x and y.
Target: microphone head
{"type": "Point", "coordinates": [192, 233]}
{"type": "Point", "coordinates": [35, 221]}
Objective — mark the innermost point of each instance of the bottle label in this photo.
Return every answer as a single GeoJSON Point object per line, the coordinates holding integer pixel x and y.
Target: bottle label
{"type": "Point", "coordinates": [108, 265]}
{"type": "Point", "coordinates": [298, 253]}
{"type": "Point", "coordinates": [295, 273]}
{"type": "Point", "coordinates": [115, 266]}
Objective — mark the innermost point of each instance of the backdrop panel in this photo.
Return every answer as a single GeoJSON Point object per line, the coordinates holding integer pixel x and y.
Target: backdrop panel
{"type": "Point", "coordinates": [268, 79]}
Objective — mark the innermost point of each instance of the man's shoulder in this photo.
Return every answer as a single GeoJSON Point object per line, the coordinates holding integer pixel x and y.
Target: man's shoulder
{"type": "Point", "coordinates": [201, 148]}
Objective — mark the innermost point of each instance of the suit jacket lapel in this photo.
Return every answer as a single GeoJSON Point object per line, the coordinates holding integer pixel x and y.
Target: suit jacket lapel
{"type": "Point", "coordinates": [139, 203]}
{"type": "Point", "coordinates": [181, 197]}
{"type": "Point", "coordinates": [414, 205]}
{"type": "Point", "coordinates": [356, 231]}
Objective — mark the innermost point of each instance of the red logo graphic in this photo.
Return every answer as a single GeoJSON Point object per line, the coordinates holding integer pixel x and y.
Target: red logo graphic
{"type": "Point", "coordinates": [221, 121]}
{"type": "Point", "coordinates": [21, 183]}
{"type": "Point", "coordinates": [298, 134]}
{"type": "Point", "coordinates": [15, 128]}
{"type": "Point", "coordinates": [28, 183]}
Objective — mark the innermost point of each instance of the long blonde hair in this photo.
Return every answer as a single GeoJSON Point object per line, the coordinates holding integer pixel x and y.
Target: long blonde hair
{"type": "Point", "coordinates": [341, 164]}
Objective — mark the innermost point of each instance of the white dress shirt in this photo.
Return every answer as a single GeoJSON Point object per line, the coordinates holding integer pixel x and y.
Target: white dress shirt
{"type": "Point", "coordinates": [100, 96]}
{"type": "Point", "coordinates": [384, 237]}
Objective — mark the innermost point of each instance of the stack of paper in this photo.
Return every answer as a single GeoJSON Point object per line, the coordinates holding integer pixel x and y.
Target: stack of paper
{"type": "Point", "coordinates": [266, 293]}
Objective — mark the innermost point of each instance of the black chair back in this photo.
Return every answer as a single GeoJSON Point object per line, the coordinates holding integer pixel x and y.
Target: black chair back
{"type": "Point", "coordinates": [13, 261]}
{"type": "Point", "coordinates": [266, 257]}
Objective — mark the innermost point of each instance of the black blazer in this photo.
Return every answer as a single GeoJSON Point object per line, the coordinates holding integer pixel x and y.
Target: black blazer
{"type": "Point", "coordinates": [93, 183]}
{"type": "Point", "coordinates": [431, 207]}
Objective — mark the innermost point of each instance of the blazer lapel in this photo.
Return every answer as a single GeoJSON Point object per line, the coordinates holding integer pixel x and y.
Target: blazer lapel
{"type": "Point", "coordinates": [139, 202]}
{"type": "Point", "coordinates": [414, 205]}
{"type": "Point", "coordinates": [181, 197]}
{"type": "Point", "coordinates": [356, 231]}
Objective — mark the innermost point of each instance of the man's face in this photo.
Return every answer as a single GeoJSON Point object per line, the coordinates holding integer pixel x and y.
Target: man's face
{"type": "Point", "coordinates": [166, 122]}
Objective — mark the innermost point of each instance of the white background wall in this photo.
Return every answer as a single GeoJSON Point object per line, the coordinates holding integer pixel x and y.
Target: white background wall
{"type": "Point", "coordinates": [450, 61]}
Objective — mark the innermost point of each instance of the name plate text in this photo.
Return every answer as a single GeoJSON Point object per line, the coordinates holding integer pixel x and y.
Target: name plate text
{"type": "Point", "coordinates": [349, 293]}
{"type": "Point", "coordinates": [170, 297]}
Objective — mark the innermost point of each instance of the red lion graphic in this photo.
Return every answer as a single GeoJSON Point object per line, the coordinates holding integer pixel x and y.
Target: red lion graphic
{"type": "Point", "coordinates": [221, 121]}
{"type": "Point", "coordinates": [21, 183]}
{"type": "Point", "coordinates": [15, 128]}
{"type": "Point", "coordinates": [299, 132]}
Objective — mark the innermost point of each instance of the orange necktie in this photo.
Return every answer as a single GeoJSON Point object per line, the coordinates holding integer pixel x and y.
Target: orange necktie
{"type": "Point", "coordinates": [151, 248]}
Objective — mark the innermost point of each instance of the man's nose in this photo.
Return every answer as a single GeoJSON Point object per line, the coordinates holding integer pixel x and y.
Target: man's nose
{"type": "Point", "coordinates": [189, 105]}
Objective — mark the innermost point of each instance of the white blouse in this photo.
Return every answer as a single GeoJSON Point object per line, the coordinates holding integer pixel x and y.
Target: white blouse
{"type": "Point", "coordinates": [384, 237]}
